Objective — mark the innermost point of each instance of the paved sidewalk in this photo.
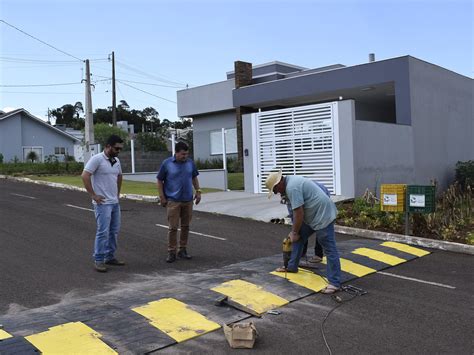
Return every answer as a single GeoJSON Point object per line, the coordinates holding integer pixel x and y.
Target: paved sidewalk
{"type": "Point", "coordinates": [246, 205]}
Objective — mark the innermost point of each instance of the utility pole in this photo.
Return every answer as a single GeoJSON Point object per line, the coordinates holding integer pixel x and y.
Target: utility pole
{"type": "Point", "coordinates": [89, 127]}
{"type": "Point", "coordinates": [114, 104]}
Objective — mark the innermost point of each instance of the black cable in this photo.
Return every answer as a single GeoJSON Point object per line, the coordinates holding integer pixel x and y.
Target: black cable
{"type": "Point", "coordinates": [146, 92]}
{"type": "Point", "coordinates": [340, 302]}
{"type": "Point", "coordinates": [39, 40]}
{"type": "Point", "coordinates": [37, 85]}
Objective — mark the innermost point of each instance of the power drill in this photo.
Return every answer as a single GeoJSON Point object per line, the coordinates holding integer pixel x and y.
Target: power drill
{"type": "Point", "coordinates": [286, 251]}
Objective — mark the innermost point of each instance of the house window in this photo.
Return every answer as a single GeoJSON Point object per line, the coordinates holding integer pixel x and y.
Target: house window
{"type": "Point", "coordinates": [59, 150]}
{"type": "Point", "coordinates": [38, 153]}
{"type": "Point", "coordinates": [230, 141]}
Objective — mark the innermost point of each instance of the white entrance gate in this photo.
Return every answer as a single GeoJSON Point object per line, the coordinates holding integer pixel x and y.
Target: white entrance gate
{"type": "Point", "coordinates": [300, 141]}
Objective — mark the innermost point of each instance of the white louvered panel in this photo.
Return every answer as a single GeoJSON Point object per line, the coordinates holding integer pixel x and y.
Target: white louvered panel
{"type": "Point", "coordinates": [299, 141]}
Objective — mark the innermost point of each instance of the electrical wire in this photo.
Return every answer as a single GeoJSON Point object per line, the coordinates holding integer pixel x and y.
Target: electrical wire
{"type": "Point", "coordinates": [340, 301]}
{"type": "Point", "coordinates": [38, 85]}
{"type": "Point", "coordinates": [146, 92]}
{"type": "Point", "coordinates": [39, 40]}
{"type": "Point", "coordinates": [147, 75]}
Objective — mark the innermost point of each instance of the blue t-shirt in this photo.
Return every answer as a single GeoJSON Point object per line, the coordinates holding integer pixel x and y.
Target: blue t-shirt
{"type": "Point", "coordinates": [319, 210]}
{"type": "Point", "coordinates": [177, 178]}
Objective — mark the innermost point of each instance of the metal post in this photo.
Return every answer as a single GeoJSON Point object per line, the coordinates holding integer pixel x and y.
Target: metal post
{"type": "Point", "coordinates": [172, 143]}
{"type": "Point", "coordinates": [224, 155]}
{"type": "Point", "coordinates": [407, 223]}
{"type": "Point", "coordinates": [132, 151]}
{"type": "Point", "coordinates": [114, 103]}
{"type": "Point", "coordinates": [89, 124]}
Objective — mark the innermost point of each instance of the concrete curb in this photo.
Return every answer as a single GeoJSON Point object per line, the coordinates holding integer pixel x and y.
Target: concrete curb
{"type": "Point", "coordinates": [75, 188]}
{"type": "Point", "coordinates": [407, 239]}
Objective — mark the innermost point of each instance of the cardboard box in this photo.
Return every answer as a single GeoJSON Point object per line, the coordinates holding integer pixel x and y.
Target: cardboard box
{"type": "Point", "coordinates": [240, 336]}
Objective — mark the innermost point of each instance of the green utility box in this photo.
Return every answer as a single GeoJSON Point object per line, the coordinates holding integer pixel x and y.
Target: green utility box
{"type": "Point", "coordinates": [421, 199]}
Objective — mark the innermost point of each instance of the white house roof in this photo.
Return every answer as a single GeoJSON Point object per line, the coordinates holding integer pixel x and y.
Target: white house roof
{"type": "Point", "coordinates": [34, 118]}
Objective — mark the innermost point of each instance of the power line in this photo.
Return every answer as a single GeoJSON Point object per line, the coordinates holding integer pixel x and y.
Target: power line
{"type": "Point", "coordinates": [38, 85]}
{"type": "Point", "coordinates": [41, 93]}
{"type": "Point", "coordinates": [140, 82]}
{"type": "Point", "coordinates": [146, 92]}
{"type": "Point", "coordinates": [39, 40]}
{"type": "Point", "coordinates": [147, 75]}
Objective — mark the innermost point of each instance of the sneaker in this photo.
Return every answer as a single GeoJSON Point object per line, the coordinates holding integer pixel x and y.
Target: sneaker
{"type": "Point", "coordinates": [171, 257]}
{"type": "Point", "coordinates": [330, 289]}
{"type": "Point", "coordinates": [115, 262]}
{"type": "Point", "coordinates": [315, 259]}
{"type": "Point", "coordinates": [183, 254]}
{"type": "Point", "coordinates": [100, 266]}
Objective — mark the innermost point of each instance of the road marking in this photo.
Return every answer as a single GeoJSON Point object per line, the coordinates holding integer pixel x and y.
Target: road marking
{"type": "Point", "coordinates": [304, 278]}
{"type": "Point", "coordinates": [191, 232]}
{"type": "Point", "coordinates": [4, 335]}
{"type": "Point", "coordinates": [416, 280]}
{"type": "Point", "coordinates": [406, 248]}
{"type": "Point", "coordinates": [250, 296]}
{"type": "Point", "coordinates": [25, 196]}
{"type": "Point", "coordinates": [80, 208]}
{"type": "Point", "coordinates": [353, 268]}
{"type": "Point", "coordinates": [379, 256]}
{"type": "Point", "coordinates": [176, 319]}
{"type": "Point", "coordinates": [70, 338]}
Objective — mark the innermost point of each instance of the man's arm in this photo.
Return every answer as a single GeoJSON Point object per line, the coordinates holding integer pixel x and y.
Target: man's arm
{"type": "Point", "coordinates": [161, 193]}
{"type": "Point", "coordinates": [86, 179]}
{"type": "Point", "coordinates": [298, 217]}
{"type": "Point", "coordinates": [198, 190]}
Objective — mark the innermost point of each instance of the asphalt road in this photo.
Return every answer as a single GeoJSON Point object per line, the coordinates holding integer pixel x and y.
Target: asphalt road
{"type": "Point", "coordinates": [46, 254]}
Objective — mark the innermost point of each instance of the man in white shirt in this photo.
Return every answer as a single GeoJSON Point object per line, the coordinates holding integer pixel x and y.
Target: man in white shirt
{"type": "Point", "coordinates": [102, 178]}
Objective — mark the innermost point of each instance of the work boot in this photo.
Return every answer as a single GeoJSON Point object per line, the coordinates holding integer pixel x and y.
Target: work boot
{"type": "Point", "coordinates": [183, 254]}
{"type": "Point", "coordinates": [171, 257]}
{"type": "Point", "coordinates": [100, 266]}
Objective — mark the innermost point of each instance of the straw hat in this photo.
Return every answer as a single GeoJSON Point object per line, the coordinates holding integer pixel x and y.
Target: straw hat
{"type": "Point", "coordinates": [272, 180]}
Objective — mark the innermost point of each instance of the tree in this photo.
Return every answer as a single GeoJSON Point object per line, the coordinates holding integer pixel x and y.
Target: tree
{"type": "Point", "coordinates": [78, 108]}
{"type": "Point", "coordinates": [102, 131]}
{"type": "Point", "coordinates": [69, 115]}
{"type": "Point", "coordinates": [32, 156]}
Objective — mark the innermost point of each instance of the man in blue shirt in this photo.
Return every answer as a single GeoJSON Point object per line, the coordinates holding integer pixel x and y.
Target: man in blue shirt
{"type": "Point", "coordinates": [176, 179]}
{"type": "Point", "coordinates": [312, 206]}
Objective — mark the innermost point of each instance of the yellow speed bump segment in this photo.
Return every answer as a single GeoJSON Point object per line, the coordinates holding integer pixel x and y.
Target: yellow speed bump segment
{"type": "Point", "coordinates": [304, 278]}
{"type": "Point", "coordinates": [353, 268]}
{"type": "Point", "coordinates": [176, 319]}
{"type": "Point", "coordinates": [250, 296]}
{"type": "Point", "coordinates": [70, 338]}
{"type": "Point", "coordinates": [379, 256]}
{"type": "Point", "coordinates": [406, 248]}
{"type": "Point", "coordinates": [4, 335]}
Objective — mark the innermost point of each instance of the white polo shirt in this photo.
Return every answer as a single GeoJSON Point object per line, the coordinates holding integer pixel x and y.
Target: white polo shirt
{"type": "Point", "coordinates": [104, 177]}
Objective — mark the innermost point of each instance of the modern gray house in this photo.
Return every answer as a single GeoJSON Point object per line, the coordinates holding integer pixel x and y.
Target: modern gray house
{"type": "Point", "coordinates": [21, 133]}
{"type": "Point", "coordinates": [400, 120]}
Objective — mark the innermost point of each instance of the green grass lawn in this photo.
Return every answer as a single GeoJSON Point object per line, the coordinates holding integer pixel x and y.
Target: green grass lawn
{"type": "Point", "coordinates": [128, 187]}
{"type": "Point", "coordinates": [235, 181]}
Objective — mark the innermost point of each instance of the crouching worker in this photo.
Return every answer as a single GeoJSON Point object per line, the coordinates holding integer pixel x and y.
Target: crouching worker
{"type": "Point", "coordinates": [314, 210]}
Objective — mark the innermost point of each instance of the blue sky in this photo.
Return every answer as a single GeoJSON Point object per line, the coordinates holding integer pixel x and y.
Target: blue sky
{"type": "Point", "coordinates": [195, 42]}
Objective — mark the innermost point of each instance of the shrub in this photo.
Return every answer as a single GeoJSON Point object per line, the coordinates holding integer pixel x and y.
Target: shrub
{"type": "Point", "coordinates": [32, 156]}
{"type": "Point", "coordinates": [102, 131]}
{"type": "Point", "coordinates": [41, 168]}
{"type": "Point", "coordinates": [465, 173]}
{"type": "Point", "coordinates": [232, 164]}
{"type": "Point", "coordinates": [1, 158]}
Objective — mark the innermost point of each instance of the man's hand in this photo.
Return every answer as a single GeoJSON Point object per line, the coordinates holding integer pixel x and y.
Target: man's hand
{"type": "Point", "coordinates": [98, 199]}
{"type": "Point", "coordinates": [294, 237]}
{"type": "Point", "coordinates": [163, 201]}
{"type": "Point", "coordinates": [197, 197]}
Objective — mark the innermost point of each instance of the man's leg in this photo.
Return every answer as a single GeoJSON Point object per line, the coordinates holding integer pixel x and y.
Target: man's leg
{"type": "Point", "coordinates": [186, 213]}
{"type": "Point", "coordinates": [327, 240]}
{"type": "Point", "coordinates": [297, 247]}
{"type": "Point", "coordinates": [173, 222]}
{"type": "Point", "coordinates": [102, 218]}
{"type": "Point", "coordinates": [113, 234]}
